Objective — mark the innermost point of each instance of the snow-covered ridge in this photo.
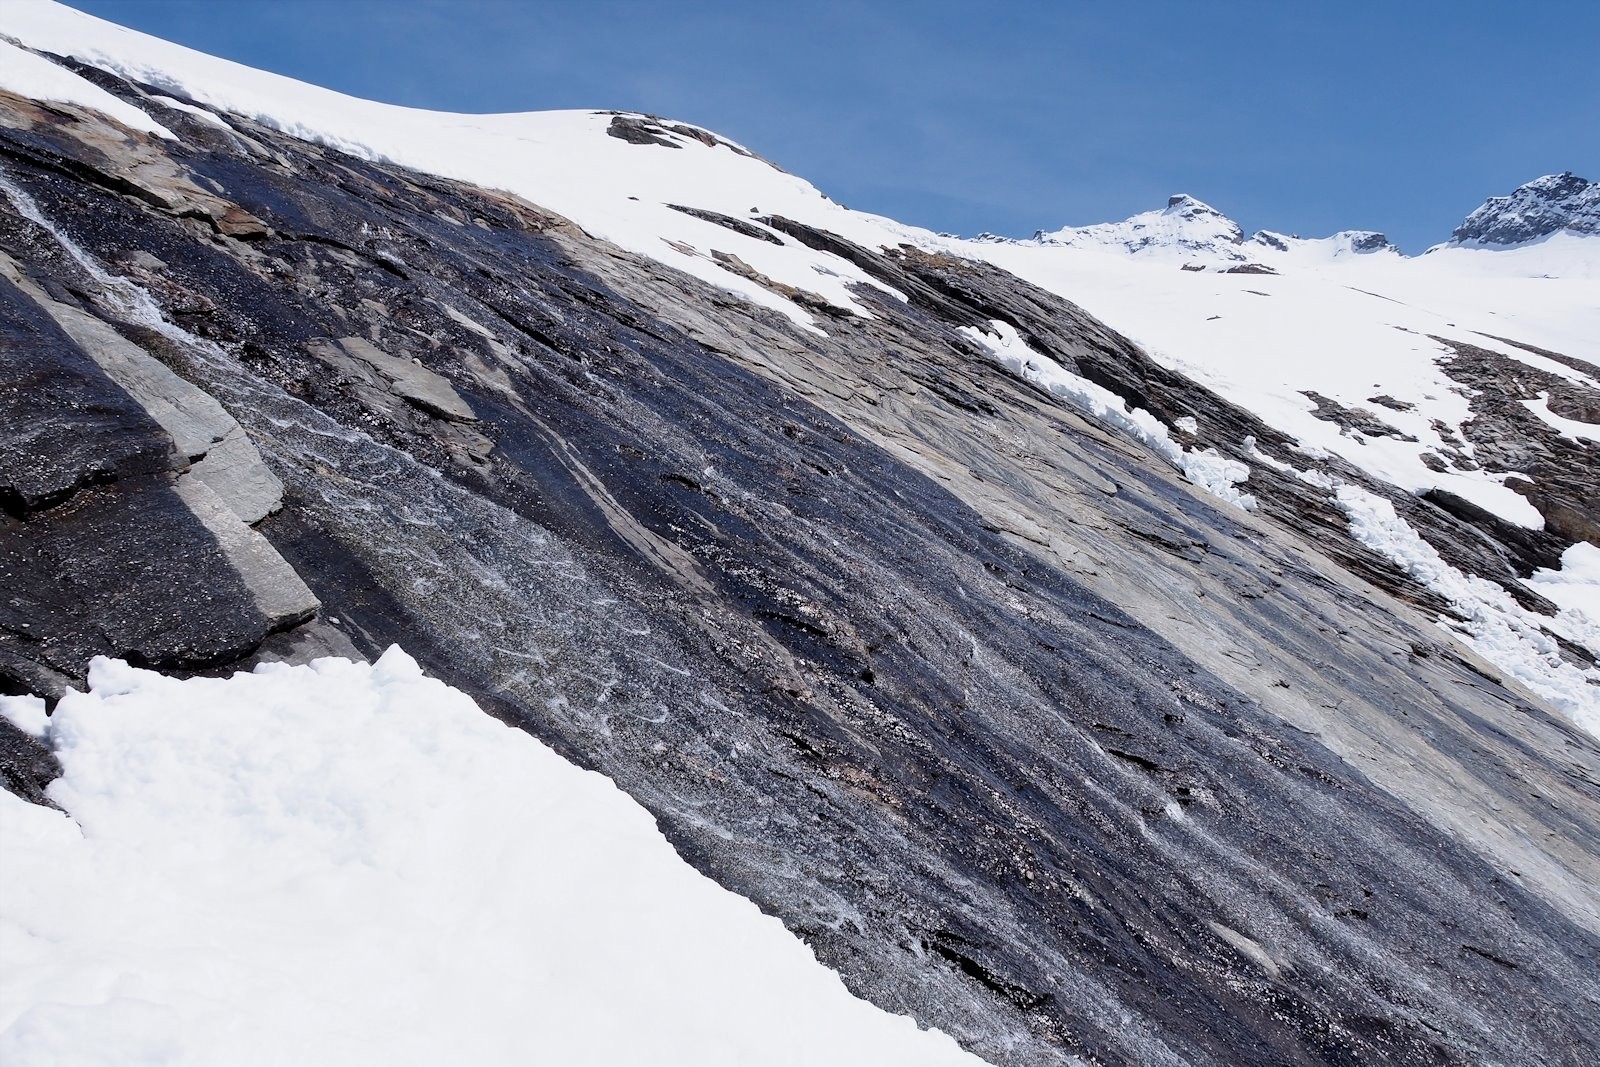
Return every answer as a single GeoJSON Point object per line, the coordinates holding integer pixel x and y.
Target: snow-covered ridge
{"type": "Point", "coordinates": [34, 76]}
{"type": "Point", "coordinates": [620, 189]}
{"type": "Point", "coordinates": [1195, 235]}
{"type": "Point", "coordinates": [1198, 236]}
{"type": "Point", "coordinates": [342, 863]}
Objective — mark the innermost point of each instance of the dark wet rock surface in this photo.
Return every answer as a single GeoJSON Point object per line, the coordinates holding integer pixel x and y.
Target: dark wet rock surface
{"type": "Point", "coordinates": [27, 766]}
{"type": "Point", "coordinates": [1023, 734]}
{"type": "Point", "coordinates": [67, 425]}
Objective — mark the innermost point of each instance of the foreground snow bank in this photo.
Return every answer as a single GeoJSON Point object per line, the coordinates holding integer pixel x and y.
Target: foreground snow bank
{"type": "Point", "coordinates": [345, 863]}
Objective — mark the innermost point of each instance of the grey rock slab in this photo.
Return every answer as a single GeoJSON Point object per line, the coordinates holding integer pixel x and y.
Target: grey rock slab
{"type": "Point", "coordinates": [203, 431]}
{"type": "Point", "coordinates": [65, 424]}
{"type": "Point", "coordinates": [412, 381]}
{"type": "Point", "coordinates": [279, 593]}
{"type": "Point", "coordinates": [1320, 630]}
{"type": "Point", "coordinates": [1078, 775]}
{"type": "Point", "coordinates": [234, 470]}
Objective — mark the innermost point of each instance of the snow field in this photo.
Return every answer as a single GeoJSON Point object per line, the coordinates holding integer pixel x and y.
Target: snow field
{"type": "Point", "coordinates": [351, 864]}
{"type": "Point", "coordinates": [1263, 341]}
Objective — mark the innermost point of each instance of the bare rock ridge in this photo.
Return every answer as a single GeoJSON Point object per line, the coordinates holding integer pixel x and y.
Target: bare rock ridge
{"type": "Point", "coordinates": [1549, 205]}
{"type": "Point", "coordinates": [1024, 734]}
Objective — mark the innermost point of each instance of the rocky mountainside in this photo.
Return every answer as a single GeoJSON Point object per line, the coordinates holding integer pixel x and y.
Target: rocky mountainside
{"type": "Point", "coordinates": [1054, 695]}
{"type": "Point", "coordinates": [1555, 203]}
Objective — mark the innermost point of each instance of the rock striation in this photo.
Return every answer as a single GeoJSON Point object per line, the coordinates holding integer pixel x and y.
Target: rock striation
{"type": "Point", "coordinates": [1023, 733]}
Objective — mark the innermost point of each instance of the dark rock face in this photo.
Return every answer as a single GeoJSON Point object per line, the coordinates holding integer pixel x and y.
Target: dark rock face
{"type": "Point", "coordinates": [68, 426]}
{"type": "Point", "coordinates": [1352, 421]}
{"type": "Point", "coordinates": [1562, 473]}
{"type": "Point", "coordinates": [1022, 734]}
{"type": "Point", "coordinates": [27, 766]}
{"type": "Point", "coordinates": [652, 130]}
{"type": "Point", "coordinates": [1538, 209]}
{"type": "Point", "coordinates": [636, 130]}
{"type": "Point", "coordinates": [100, 551]}
{"type": "Point", "coordinates": [739, 226]}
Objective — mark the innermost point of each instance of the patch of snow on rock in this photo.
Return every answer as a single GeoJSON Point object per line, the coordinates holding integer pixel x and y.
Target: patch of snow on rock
{"type": "Point", "coordinates": [1207, 469]}
{"type": "Point", "coordinates": [37, 78]}
{"type": "Point", "coordinates": [1495, 626]}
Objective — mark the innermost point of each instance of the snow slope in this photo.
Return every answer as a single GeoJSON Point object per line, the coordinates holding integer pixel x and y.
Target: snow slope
{"type": "Point", "coordinates": [351, 864]}
{"type": "Point", "coordinates": [1344, 317]}
{"type": "Point", "coordinates": [561, 160]}
{"type": "Point", "coordinates": [1346, 330]}
{"type": "Point", "coordinates": [1355, 327]}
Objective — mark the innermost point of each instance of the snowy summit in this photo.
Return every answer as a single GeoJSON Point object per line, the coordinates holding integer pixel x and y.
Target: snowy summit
{"type": "Point", "coordinates": [1185, 227]}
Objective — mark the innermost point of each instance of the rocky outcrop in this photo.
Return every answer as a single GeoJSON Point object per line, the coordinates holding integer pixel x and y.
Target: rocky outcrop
{"type": "Point", "coordinates": [1555, 203]}
{"type": "Point", "coordinates": [1023, 733]}
{"type": "Point", "coordinates": [1558, 473]}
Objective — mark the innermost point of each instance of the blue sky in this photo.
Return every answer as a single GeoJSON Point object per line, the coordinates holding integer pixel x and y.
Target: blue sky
{"type": "Point", "coordinates": [1005, 116]}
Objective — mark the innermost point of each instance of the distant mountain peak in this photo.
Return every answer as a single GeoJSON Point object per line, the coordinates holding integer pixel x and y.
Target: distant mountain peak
{"type": "Point", "coordinates": [1198, 235]}
{"type": "Point", "coordinates": [1185, 227]}
{"type": "Point", "coordinates": [1548, 205]}
{"type": "Point", "coordinates": [1186, 203]}
{"type": "Point", "coordinates": [1193, 232]}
